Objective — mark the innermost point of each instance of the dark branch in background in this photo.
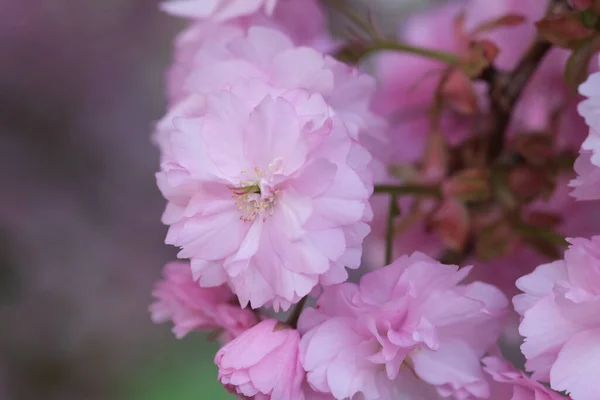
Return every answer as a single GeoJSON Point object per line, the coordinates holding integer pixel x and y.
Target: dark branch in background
{"type": "Point", "coordinates": [293, 319]}
{"type": "Point", "coordinates": [505, 88]}
{"type": "Point", "coordinates": [409, 190]}
{"type": "Point", "coordinates": [393, 212]}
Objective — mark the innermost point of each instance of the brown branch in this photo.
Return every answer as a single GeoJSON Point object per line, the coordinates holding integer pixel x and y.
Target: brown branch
{"type": "Point", "coordinates": [295, 316]}
{"type": "Point", "coordinates": [393, 212]}
{"type": "Point", "coordinates": [409, 190]}
{"type": "Point", "coordinates": [505, 88]}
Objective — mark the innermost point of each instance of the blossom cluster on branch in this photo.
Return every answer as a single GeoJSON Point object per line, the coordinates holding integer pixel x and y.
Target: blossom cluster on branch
{"type": "Point", "coordinates": [290, 157]}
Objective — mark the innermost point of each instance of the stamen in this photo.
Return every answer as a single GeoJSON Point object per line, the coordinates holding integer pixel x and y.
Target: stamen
{"type": "Point", "coordinates": [252, 202]}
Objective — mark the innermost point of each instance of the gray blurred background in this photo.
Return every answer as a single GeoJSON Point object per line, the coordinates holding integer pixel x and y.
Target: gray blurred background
{"type": "Point", "coordinates": [81, 244]}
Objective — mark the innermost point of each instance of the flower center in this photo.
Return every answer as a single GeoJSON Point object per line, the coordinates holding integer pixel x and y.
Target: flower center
{"type": "Point", "coordinates": [255, 199]}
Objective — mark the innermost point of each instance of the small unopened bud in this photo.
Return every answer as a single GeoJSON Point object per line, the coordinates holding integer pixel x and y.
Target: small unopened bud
{"type": "Point", "coordinates": [452, 223]}
{"type": "Point", "coordinates": [459, 93]}
{"type": "Point", "coordinates": [471, 185]}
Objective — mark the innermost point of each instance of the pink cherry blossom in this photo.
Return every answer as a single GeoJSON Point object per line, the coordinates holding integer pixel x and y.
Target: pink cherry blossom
{"type": "Point", "coordinates": [412, 317]}
{"type": "Point", "coordinates": [229, 54]}
{"type": "Point", "coordinates": [205, 42]}
{"type": "Point", "coordinates": [515, 385]}
{"type": "Point", "coordinates": [191, 308]}
{"type": "Point", "coordinates": [587, 184]}
{"type": "Point", "coordinates": [217, 10]}
{"type": "Point", "coordinates": [560, 308]}
{"type": "Point", "coordinates": [267, 193]}
{"type": "Point", "coordinates": [262, 363]}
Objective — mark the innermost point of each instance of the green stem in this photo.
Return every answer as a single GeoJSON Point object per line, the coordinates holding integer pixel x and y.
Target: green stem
{"type": "Point", "coordinates": [547, 235]}
{"type": "Point", "coordinates": [448, 58]}
{"type": "Point", "coordinates": [408, 190]}
{"type": "Point", "coordinates": [380, 43]}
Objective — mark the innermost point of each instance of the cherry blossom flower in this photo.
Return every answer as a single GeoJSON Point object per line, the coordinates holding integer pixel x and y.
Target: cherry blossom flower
{"type": "Point", "coordinates": [192, 308]}
{"type": "Point", "coordinates": [515, 385]}
{"type": "Point", "coordinates": [560, 308]}
{"type": "Point", "coordinates": [262, 363]}
{"type": "Point", "coordinates": [207, 41]}
{"type": "Point", "coordinates": [267, 193]}
{"type": "Point", "coordinates": [409, 318]}
{"type": "Point", "coordinates": [222, 56]}
{"type": "Point", "coordinates": [217, 10]}
{"type": "Point", "coordinates": [587, 184]}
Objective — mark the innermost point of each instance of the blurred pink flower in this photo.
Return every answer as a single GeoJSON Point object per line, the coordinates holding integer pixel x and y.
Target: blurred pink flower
{"type": "Point", "coordinates": [560, 308]}
{"type": "Point", "coordinates": [411, 315]}
{"type": "Point", "coordinates": [206, 42]}
{"type": "Point", "coordinates": [192, 308]}
{"type": "Point", "coordinates": [217, 10]}
{"type": "Point", "coordinates": [587, 184]}
{"type": "Point", "coordinates": [267, 193]}
{"type": "Point", "coordinates": [262, 363]}
{"type": "Point", "coordinates": [513, 384]}
{"type": "Point", "coordinates": [215, 57]}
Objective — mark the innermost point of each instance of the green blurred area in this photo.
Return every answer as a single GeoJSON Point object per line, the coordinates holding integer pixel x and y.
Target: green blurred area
{"type": "Point", "coordinates": [182, 370]}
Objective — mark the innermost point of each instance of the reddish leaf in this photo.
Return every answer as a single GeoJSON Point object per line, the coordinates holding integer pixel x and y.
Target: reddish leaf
{"type": "Point", "coordinates": [480, 55]}
{"type": "Point", "coordinates": [507, 20]}
{"type": "Point", "coordinates": [470, 185]}
{"type": "Point", "coordinates": [567, 30]}
{"type": "Point", "coordinates": [536, 148]}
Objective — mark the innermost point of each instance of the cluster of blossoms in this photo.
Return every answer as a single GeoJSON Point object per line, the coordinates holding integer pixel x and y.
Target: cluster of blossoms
{"type": "Point", "coordinates": [284, 167]}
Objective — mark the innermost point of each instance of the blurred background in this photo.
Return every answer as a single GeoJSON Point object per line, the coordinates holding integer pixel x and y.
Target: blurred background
{"type": "Point", "coordinates": [81, 243]}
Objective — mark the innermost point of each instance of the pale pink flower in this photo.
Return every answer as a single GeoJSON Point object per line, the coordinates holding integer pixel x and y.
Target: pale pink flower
{"type": "Point", "coordinates": [192, 308]}
{"type": "Point", "coordinates": [587, 184]}
{"type": "Point", "coordinates": [227, 55]}
{"type": "Point", "coordinates": [515, 385]}
{"type": "Point", "coordinates": [205, 42]}
{"type": "Point", "coordinates": [217, 10]}
{"type": "Point", "coordinates": [267, 193]}
{"type": "Point", "coordinates": [561, 324]}
{"type": "Point", "coordinates": [411, 317]}
{"type": "Point", "coordinates": [262, 363]}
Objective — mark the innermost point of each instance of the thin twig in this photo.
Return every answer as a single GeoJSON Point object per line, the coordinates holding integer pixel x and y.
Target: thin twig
{"type": "Point", "coordinates": [393, 212]}
{"type": "Point", "coordinates": [409, 190]}
{"type": "Point", "coordinates": [378, 42]}
{"type": "Point", "coordinates": [293, 318]}
{"type": "Point", "coordinates": [448, 58]}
